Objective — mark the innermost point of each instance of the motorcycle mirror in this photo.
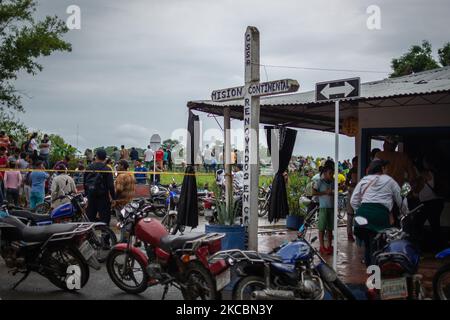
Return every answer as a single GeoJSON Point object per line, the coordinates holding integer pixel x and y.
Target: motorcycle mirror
{"type": "Point", "coordinates": [406, 189]}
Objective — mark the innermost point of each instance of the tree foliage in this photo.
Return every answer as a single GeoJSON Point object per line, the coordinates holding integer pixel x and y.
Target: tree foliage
{"type": "Point", "coordinates": [418, 58]}
{"type": "Point", "coordinates": [60, 149]}
{"type": "Point", "coordinates": [22, 41]}
{"type": "Point", "coordinates": [12, 126]}
{"type": "Point", "coordinates": [444, 55]}
{"type": "Point", "coordinates": [171, 142]}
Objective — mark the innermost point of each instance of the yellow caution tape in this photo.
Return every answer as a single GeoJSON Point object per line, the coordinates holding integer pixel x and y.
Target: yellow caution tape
{"type": "Point", "coordinates": [105, 171]}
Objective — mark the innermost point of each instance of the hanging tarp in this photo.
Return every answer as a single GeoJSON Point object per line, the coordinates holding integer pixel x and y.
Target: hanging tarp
{"type": "Point", "coordinates": [283, 139]}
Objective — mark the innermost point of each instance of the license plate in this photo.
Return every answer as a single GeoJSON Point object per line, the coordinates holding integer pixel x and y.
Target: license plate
{"type": "Point", "coordinates": [223, 279]}
{"type": "Point", "coordinates": [394, 289]}
{"type": "Point", "coordinates": [86, 250]}
{"type": "Point", "coordinates": [208, 213]}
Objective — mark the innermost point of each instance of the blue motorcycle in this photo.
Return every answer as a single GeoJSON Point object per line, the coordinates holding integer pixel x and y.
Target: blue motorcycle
{"type": "Point", "coordinates": [287, 273]}
{"type": "Point", "coordinates": [102, 238]}
{"type": "Point", "coordinates": [441, 280]}
{"type": "Point", "coordinates": [397, 255]}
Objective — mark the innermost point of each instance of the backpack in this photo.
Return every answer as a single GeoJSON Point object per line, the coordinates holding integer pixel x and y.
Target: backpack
{"type": "Point", "coordinates": [96, 184]}
{"type": "Point", "coordinates": [28, 179]}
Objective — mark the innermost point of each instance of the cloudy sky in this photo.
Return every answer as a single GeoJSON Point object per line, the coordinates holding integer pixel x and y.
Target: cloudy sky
{"type": "Point", "coordinates": [136, 63]}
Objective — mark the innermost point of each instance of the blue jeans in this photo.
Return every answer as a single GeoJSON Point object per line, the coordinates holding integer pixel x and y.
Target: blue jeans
{"type": "Point", "coordinates": [36, 198]}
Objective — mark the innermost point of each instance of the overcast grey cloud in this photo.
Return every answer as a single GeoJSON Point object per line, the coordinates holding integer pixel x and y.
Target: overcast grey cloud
{"type": "Point", "coordinates": [136, 63]}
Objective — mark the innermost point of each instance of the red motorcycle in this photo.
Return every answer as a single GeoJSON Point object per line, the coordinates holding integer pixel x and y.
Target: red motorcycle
{"type": "Point", "coordinates": [177, 260]}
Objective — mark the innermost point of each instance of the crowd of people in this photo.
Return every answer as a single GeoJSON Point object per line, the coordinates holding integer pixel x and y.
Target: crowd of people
{"type": "Point", "coordinates": [108, 182]}
{"type": "Point", "coordinates": [27, 174]}
{"type": "Point", "coordinates": [376, 198]}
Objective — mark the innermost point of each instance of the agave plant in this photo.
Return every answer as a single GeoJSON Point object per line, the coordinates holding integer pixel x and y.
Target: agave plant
{"type": "Point", "coordinates": [226, 214]}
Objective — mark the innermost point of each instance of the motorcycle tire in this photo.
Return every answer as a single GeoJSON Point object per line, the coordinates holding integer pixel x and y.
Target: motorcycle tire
{"type": "Point", "coordinates": [43, 208]}
{"type": "Point", "coordinates": [196, 277]}
{"type": "Point", "coordinates": [49, 259]}
{"type": "Point", "coordinates": [160, 213]}
{"type": "Point", "coordinates": [340, 291]}
{"type": "Point", "coordinates": [118, 279]}
{"type": "Point", "coordinates": [243, 284]}
{"type": "Point", "coordinates": [438, 285]}
{"type": "Point", "coordinates": [103, 241]}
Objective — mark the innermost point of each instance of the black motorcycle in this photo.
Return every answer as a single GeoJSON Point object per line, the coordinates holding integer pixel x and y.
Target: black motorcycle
{"type": "Point", "coordinates": [101, 237]}
{"type": "Point", "coordinates": [59, 252]}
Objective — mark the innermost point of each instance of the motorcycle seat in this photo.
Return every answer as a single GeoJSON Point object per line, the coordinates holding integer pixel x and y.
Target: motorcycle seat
{"type": "Point", "coordinates": [33, 217]}
{"type": "Point", "coordinates": [174, 242]}
{"type": "Point", "coordinates": [38, 233]}
{"type": "Point", "coordinates": [270, 257]}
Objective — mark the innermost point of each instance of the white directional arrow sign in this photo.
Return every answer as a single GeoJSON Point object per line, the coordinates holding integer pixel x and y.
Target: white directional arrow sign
{"type": "Point", "coordinates": [338, 89]}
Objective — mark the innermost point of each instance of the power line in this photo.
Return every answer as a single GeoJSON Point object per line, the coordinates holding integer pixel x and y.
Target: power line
{"type": "Point", "coordinates": [321, 69]}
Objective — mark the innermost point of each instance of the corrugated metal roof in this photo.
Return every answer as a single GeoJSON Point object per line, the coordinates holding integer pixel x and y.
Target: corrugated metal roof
{"type": "Point", "coordinates": [431, 81]}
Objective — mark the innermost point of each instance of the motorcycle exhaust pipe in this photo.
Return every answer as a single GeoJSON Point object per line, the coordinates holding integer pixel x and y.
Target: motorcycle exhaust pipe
{"type": "Point", "coordinates": [269, 294]}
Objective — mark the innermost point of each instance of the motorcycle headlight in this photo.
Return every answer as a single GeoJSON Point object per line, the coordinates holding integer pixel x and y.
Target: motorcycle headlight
{"type": "Point", "coordinates": [154, 190]}
{"type": "Point", "coordinates": [124, 213]}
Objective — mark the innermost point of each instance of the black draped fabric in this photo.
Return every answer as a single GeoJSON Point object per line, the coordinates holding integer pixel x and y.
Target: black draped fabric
{"type": "Point", "coordinates": [278, 205]}
{"type": "Point", "coordinates": [187, 205]}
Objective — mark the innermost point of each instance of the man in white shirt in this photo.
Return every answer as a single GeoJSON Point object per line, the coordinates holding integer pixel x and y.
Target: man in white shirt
{"type": "Point", "coordinates": [33, 143]}
{"type": "Point", "coordinates": [207, 158]}
{"type": "Point", "coordinates": [238, 177]}
{"type": "Point", "coordinates": [373, 200]}
{"type": "Point", "coordinates": [148, 157]}
{"type": "Point", "coordinates": [62, 185]}
{"type": "Point", "coordinates": [44, 150]}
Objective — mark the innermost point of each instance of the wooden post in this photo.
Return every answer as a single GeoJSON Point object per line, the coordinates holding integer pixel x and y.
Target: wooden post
{"type": "Point", "coordinates": [251, 138]}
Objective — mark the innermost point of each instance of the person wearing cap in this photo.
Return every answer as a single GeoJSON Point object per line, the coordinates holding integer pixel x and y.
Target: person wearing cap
{"type": "Point", "coordinates": [62, 185]}
{"type": "Point", "coordinates": [99, 188]}
{"type": "Point", "coordinates": [400, 167]}
{"type": "Point", "coordinates": [373, 199]}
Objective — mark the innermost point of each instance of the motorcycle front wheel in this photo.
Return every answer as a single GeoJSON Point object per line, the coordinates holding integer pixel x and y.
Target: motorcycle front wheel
{"type": "Point", "coordinates": [441, 283]}
{"type": "Point", "coordinates": [199, 283]}
{"type": "Point", "coordinates": [160, 212]}
{"type": "Point", "coordinates": [102, 239]}
{"type": "Point", "coordinates": [57, 261]}
{"type": "Point", "coordinates": [339, 290]}
{"type": "Point", "coordinates": [248, 285]}
{"type": "Point", "coordinates": [127, 272]}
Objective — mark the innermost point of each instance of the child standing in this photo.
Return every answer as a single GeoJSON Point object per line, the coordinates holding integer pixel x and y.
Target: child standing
{"type": "Point", "coordinates": [323, 189]}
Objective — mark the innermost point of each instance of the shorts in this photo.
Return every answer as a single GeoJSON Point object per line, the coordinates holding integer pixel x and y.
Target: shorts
{"type": "Point", "coordinates": [326, 219]}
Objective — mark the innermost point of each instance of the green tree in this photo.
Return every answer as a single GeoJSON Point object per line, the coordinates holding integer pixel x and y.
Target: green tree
{"type": "Point", "coordinates": [13, 127]}
{"type": "Point", "coordinates": [22, 41]}
{"type": "Point", "coordinates": [60, 149]}
{"type": "Point", "coordinates": [170, 142]}
{"type": "Point", "coordinates": [444, 55]}
{"type": "Point", "coordinates": [417, 59]}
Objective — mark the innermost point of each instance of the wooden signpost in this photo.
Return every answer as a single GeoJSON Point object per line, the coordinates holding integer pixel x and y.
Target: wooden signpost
{"type": "Point", "coordinates": [250, 93]}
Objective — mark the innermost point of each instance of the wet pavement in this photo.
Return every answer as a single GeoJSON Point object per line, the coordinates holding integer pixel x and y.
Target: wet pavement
{"type": "Point", "coordinates": [350, 269]}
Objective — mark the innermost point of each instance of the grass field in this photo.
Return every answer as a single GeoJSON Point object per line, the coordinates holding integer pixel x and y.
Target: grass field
{"type": "Point", "coordinates": [204, 178]}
